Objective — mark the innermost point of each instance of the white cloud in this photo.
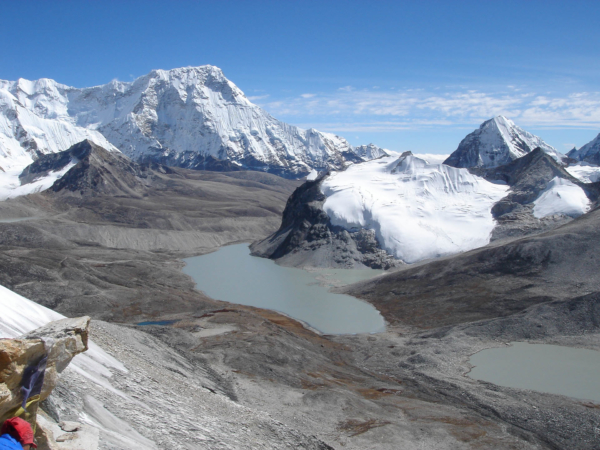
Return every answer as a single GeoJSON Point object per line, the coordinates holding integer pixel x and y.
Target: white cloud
{"type": "Point", "coordinates": [257, 97]}
{"type": "Point", "coordinates": [376, 110]}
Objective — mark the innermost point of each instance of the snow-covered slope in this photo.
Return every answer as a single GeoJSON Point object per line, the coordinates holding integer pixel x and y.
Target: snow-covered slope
{"type": "Point", "coordinates": [11, 185]}
{"type": "Point", "coordinates": [418, 210]}
{"type": "Point", "coordinates": [590, 152]}
{"type": "Point", "coordinates": [178, 116]}
{"type": "Point", "coordinates": [20, 316]}
{"type": "Point", "coordinates": [561, 197]}
{"type": "Point", "coordinates": [584, 171]}
{"type": "Point", "coordinates": [498, 141]}
{"type": "Point", "coordinates": [34, 120]}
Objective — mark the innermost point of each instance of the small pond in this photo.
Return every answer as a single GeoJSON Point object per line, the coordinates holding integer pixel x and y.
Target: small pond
{"type": "Point", "coordinates": [233, 275]}
{"type": "Point", "coordinates": [569, 371]}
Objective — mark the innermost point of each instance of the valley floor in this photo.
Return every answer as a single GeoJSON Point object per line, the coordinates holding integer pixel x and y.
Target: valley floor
{"type": "Point", "coordinates": [230, 376]}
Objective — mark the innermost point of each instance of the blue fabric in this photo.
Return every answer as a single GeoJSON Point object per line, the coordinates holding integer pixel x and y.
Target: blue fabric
{"type": "Point", "coordinates": [33, 379]}
{"type": "Point", "coordinates": [7, 442]}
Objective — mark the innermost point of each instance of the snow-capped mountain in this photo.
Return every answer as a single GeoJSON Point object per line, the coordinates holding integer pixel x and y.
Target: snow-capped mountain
{"type": "Point", "coordinates": [590, 152]}
{"type": "Point", "coordinates": [180, 116]}
{"type": "Point", "coordinates": [498, 141]}
{"type": "Point", "coordinates": [35, 120]}
{"type": "Point", "coordinates": [369, 152]}
{"type": "Point", "coordinates": [404, 209]}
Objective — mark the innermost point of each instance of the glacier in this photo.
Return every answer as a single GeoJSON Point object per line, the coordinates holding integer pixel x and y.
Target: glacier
{"type": "Point", "coordinates": [418, 210]}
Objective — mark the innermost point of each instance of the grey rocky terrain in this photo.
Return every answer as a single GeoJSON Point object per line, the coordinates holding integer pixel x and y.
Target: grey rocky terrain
{"type": "Point", "coordinates": [230, 376]}
{"type": "Point", "coordinates": [528, 177]}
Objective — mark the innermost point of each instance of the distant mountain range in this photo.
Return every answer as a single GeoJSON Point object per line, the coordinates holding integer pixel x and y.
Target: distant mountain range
{"type": "Point", "coordinates": [191, 117]}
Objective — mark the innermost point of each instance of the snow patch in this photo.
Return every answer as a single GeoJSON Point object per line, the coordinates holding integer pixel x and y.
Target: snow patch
{"type": "Point", "coordinates": [20, 316]}
{"type": "Point", "coordinates": [418, 210]}
{"type": "Point", "coordinates": [11, 187]}
{"type": "Point", "coordinates": [587, 173]}
{"type": "Point", "coordinates": [561, 197]}
{"type": "Point", "coordinates": [312, 175]}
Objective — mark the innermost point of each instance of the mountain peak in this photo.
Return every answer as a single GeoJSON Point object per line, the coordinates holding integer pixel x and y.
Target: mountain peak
{"type": "Point", "coordinates": [590, 152]}
{"type": "Point", "coordinates": [496, 142]}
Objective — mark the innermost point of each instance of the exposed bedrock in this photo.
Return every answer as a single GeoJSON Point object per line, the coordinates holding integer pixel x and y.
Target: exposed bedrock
{"type": "Point", "coordinates": [306, 237]}
{"type": "Point", "coordinates": [528, 177]}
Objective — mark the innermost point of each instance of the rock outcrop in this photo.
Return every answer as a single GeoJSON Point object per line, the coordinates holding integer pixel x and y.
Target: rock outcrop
{"type": "Point", "coordinates": [528, 177]}
{"type": "Point", "coordinates": [52, 347]}
{"type": "Point", "coordinates": [307, 237]}
{"type": "Point", "coordinates": [93, 171]}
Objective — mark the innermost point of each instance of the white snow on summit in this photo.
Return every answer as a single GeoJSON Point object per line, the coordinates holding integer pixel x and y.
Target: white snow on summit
{"type": "Point", "coordinates": [561, 197]}
{"type": "Point", "coordinates": [418, 210]}
{"type": "Point", "coordinates": [496, 142]}
{"type": "Point", "coordinates": [35, 119]}
{"type": "Point", "coordinates": [177, 114]}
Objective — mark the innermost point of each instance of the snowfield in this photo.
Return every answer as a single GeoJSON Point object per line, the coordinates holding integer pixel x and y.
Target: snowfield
{"type": "Point", "coordinates": [10, 184]}
{"type": "Point", "coordinates": [585, 172]}
{"type": "Point", "coordinates": [561, 197]}
{"type": "Point", "coordinates": [417, 209]}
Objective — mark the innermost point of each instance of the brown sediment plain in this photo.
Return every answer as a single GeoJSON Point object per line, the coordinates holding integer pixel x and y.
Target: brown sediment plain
{"type": "Point", "coordinates": [116, 256]}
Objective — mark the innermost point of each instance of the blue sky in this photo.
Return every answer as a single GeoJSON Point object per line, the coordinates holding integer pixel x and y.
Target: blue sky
{"type": "Point", "coordinates": [404, 75]}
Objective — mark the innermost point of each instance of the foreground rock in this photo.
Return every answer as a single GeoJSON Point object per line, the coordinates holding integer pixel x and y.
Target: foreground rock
{"type": "Point", "coordinates": [49, 349]}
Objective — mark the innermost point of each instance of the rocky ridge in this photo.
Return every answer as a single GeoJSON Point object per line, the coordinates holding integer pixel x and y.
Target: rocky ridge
{"type": "Point", "coordinates": [528, 177]}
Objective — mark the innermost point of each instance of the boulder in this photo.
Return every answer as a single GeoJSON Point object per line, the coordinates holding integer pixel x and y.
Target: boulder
{"type": "Point", "coordinates": [59, 341]}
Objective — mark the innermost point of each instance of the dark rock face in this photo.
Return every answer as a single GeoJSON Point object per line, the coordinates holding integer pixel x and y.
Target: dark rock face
{"type": "Point", "coordinates": [527, 177]}
{"type": "Point", "coordinates": [307, 237]}
{"type": "Point", "coordinates": [96, 172]}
